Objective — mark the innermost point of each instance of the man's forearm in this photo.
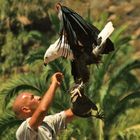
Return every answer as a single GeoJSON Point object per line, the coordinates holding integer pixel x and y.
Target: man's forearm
{"type": "Point", "coordinates": [48, 98]}
{"type": "Point", "coordinates": [46, 101]}
{"type": "Point", "coordinates": [41, 111]}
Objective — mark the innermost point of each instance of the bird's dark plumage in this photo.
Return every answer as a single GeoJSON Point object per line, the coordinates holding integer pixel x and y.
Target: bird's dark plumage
{"type": "Point", "coordinates": [82, 38]}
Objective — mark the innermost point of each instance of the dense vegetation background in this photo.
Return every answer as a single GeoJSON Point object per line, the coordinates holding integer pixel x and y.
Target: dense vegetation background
{"type": "Point", "coordinates": [28, 27]}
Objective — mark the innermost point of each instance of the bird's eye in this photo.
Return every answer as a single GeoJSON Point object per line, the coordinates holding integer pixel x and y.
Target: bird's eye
{"type": "Point", "coordinates": [46, 58]}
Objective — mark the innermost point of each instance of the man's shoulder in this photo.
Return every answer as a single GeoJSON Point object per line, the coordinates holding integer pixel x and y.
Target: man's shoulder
{"type": "Point", "coordinates": [21, 129]}
{"type": "Point", "coordinates": [23, 125]}
{"type": "Point", "coordinates": [48, 118]}
{"type": "Point", "coordinates": [25, 130]}
{"type": "Point", "coordinates": [59, 115]}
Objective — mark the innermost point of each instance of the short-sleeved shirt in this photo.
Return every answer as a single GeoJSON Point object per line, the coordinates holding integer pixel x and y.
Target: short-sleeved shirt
{"type": "Point", "coordinates": [48, 130]}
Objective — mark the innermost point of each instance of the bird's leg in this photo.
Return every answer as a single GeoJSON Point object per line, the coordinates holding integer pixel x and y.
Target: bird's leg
{"type": "Point", "coordinates": [77, 90]}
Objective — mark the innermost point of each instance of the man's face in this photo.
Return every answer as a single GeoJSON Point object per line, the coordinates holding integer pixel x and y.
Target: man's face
{"type": "Point", "coordinates": [31, 101]}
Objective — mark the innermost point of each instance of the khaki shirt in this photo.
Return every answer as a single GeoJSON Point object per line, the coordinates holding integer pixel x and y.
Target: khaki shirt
{"type": "Point", "coordinates": [48, 130]}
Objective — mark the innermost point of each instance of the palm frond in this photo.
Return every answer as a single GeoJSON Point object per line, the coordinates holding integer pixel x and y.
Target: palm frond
{"type": "Point", "coordinates": [33, 57]}
{"type": "Point", "coordinates": [62, 93]}
{"type": "Point", "coordinates": [22, 82]}
{"type": "Point", "coordinates": [130, 65]}
{"type": "Point", "coordinates": [7, 122]}
{"type": "Point", "coordinates": [121, 83]}
{"type": "Point", "coordinates": [129, 97]}
{"type": "Point", "coordinates": [117, 35]}
{"type": "Point", "coordinates": [62, 66]}
{"type": "Point", "coordinates": [55, 21]}
{"type": "Point", "coordinates": [35, 35]}
{"type": "Point", "coordinates": [124, 104]}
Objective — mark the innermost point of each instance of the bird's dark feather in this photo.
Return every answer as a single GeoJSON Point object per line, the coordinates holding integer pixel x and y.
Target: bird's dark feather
{"type": "Point", "coordinates": [77, 29]}
{"type": "Point", "coordinates": [85, 33]}
{"type": "Point", "coordinates": [82, 38]}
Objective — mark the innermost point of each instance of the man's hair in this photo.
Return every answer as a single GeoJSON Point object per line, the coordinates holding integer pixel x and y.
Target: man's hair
{"type": "Point", "coordinates": [17, 107]}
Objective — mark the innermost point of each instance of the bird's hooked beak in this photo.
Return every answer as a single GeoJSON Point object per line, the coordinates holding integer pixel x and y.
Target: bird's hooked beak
{"type": "Point", "coordinates": [45, 61]}
{"type": "Point", "coordinates": [45, 64]}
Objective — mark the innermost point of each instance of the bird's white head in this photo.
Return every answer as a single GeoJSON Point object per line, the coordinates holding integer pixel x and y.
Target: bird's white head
{"type": "Point", "coordinates": [51, 54]}
{"type": "Point", "coordinates": [57, 50]}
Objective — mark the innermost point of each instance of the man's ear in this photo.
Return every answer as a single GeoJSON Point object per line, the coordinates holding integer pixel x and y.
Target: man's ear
{"type": "Point", "coordinates": [26, 109]}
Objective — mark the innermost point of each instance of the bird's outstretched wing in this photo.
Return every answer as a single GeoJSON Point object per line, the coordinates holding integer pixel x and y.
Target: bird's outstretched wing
{"type": "Point", "coordinates": [79, 41]}
{"type": "Point", "coordinates": [77, 30]}
{"type": "Point", "coordinates": [79, 33]}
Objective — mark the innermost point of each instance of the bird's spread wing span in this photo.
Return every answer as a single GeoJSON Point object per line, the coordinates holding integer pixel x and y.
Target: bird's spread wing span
{"type": "Point", "coordinates": [79, 39]}
{"type": "Point", "coordinates": [77, 29]}
{"type": "Point", "coordinates": [79, 33]}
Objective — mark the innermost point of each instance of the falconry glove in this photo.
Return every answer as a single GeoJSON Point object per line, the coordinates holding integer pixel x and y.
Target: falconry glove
{"type": "Point", "coordinates": [82, 106]}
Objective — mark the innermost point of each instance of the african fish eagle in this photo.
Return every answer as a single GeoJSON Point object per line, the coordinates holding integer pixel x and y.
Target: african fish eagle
{"type": "Point", "coordinates": [80, 42]}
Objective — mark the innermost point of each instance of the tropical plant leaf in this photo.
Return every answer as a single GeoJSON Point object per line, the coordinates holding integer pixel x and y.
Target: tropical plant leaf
{"type": "Point", "coordinates": [29, 82]}
{"type": "Point", "coordinates": [117, 35]}
{"type": "Point", "coordinates": [122, 105]}
{"type": "Point", "coordinates": [55, 21]}
{"type": "Point", "coordinates": [8, 121]}
{"type": "Point", "coordinates": [134, 64]}
{"type": "Point", "coordinates": [33, 57]}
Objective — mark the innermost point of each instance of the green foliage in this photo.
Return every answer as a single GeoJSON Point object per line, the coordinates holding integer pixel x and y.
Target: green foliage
{"type": "Point", "coordinates": [23, 82]}
{"type": "Point", "coordinates": [113, 86]}
{"type": "Point", "coordinates": [9, 48]}
{"type": "Point", "coordinates": [8, 124]}
{"type": "Point", "coordinates": [55, 21]}
{"type": "Point", "coordinates": [15, 48]}
{"type": "Point", "coordinates": [21, 24]}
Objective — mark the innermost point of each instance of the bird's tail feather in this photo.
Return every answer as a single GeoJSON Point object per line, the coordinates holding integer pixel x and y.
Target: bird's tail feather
{"type": "Point", "coordinates": [102, 37]}
{"type": "Point", "coordinates": [106, 32]}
